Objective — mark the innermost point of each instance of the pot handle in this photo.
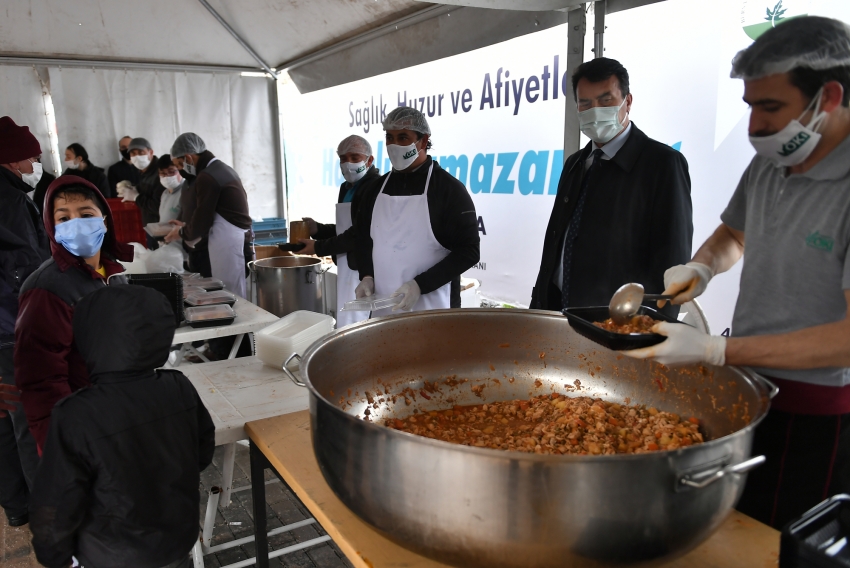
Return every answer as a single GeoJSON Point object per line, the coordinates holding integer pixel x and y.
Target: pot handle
{"type": "Point", "coordinates": [736, 469]}
{"type": "Point", "coordinates": [289, 373]}
{"type": "Point", "coordinates": [772, 389]}
{"type": "Point", "coordinates": [251, 265]}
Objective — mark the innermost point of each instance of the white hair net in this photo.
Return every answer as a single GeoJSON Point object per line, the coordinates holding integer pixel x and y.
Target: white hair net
{"type": "Point", "coordinates": [407, 118]}
{"type": "Point", "coordinates": [356, 144]}
{"type": "Point", "coordinates": [187, 143]}
{"type": "Point", "coordinates": [812, 42]}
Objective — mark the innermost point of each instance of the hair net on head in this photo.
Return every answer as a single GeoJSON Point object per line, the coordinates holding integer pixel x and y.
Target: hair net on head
{"type": "Point", "coordinates": [407, 118]}
{"type": "Point", "coordinates": [356, 144]}
{"type": "Point", "coordinates": [187, 143]}
{"type": "Point", "coordinates": [808, 41]}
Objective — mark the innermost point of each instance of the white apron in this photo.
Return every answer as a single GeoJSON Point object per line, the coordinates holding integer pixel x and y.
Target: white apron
{"type": "Point", "coordinates": [346, 279]}
{"type": "Point", "coordinates": [227, 255]}
{"type": "Point", "coordinates": [404, 246]}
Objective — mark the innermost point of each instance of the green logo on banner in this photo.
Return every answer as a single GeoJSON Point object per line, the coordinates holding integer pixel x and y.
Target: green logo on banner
{"type": "Point", "coordinates": [758, 16]}
{"type": "Point", "coordinates": [821, 242]}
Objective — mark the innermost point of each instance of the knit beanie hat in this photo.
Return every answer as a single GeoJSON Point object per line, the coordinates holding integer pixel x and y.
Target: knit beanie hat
{"type": "Point", "coordinates": [16, 142]}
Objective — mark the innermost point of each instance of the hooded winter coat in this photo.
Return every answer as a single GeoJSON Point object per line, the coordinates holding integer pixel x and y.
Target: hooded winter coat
{"type": "Point", "coordinates": [47, 364]}
{"type": "Point", "coordinates": [118, 482]}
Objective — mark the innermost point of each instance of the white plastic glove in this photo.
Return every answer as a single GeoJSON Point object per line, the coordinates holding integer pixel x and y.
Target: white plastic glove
{"type": "Point", "coordinates": [686, 281]}
{"type": "Point", "coordinates": [365, 288]}
{"type": "Point", "coordinates": [130, 194]}
{"type": "Point", "coordinates": [411, 293]}
{"type": "Point", "coordinates": [684, 345]}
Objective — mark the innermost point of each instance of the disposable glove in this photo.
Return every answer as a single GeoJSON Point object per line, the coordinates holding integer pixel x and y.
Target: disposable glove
{"type": "Point", "coordinates": [686, 281]}
{"type": "Point", "coordinates": [365, 288]}
{"type": "Point", "coordinates": [411, 293]}
{"type": "Point", "coordinates": [130, 194]}
{"type": "Point", "coordinates": [684, 345]}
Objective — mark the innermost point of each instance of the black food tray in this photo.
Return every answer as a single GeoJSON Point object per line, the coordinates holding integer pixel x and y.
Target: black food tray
{"type": "Point", "coordinates": [230, 303]}
{"type": "Point", "coordinates": [581, 320]}
{"type": "Point", "coordinates": [820, 538]}
{"type": "Point", "coordinates": [291, 247]}
{"type": "Point", "coordinates": [168, 283]}
{"type": "Point", "coordinates": [211, 322]}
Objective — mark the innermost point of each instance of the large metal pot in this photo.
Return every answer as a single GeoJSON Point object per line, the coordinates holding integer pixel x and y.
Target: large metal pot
{"type": "Point", "coordinates": [289, 283]}
{"type": "Point", "coordinates": [480, 507]}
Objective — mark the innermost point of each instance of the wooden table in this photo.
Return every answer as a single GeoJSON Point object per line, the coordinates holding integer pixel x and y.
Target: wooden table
{"type": "Point", "coordinates": [283, 443]}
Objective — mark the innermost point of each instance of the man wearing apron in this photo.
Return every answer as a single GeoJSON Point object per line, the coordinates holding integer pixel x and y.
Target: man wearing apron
{"type": "Point", "coordinates": [221, 213]}
{"type": "Point", "coordinates": [339, 240]}
{"type": "Point", "coordinates": [417, 228]}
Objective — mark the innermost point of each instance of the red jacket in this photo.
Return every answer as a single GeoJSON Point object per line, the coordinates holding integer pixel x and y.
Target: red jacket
{"type": "Point", "coordinates": [47, 364]}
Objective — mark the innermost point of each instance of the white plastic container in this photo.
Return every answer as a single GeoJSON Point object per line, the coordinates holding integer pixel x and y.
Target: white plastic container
{"type": "Point", "coordinates": [294, 333]}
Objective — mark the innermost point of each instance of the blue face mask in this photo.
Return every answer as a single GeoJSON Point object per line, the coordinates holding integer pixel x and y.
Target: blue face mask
{"type": "Point", "coordinates": [81, 237]}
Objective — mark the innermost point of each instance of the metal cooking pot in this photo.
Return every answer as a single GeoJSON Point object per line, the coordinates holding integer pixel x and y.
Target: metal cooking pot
{"type": "Point", "coordinates": [289, 283]}
{"type": "Point", "coordinates": [480, 507]}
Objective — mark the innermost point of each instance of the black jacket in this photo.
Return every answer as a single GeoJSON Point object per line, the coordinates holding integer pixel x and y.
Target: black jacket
{"type": "Point", "coordinates": [118, 481]}
{"type": "Point", "coordinates": [453, 220]}
{"type": "Point", "coordinates": [41, 189]}
{"type": "Point", "coordinates": [328, 242]}
{"type": "Point", "coordinates": [28, 248]}
{"type": "Point", "coordinates": [637, 223]}
{"type": "Point", "coordinates": [95, 175]}
{"type": "Point", "coordinates": [150, 193]}
{"type": "Point", "coordinates": [122, 171]}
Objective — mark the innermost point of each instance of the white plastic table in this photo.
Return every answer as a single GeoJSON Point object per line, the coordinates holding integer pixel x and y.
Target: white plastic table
{"type": "Point", "coordinates": [249, 318]}
{"type": "Point", "coordinates": [234, 392]}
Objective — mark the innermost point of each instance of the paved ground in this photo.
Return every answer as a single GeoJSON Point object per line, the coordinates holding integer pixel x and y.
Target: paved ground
{"type": "Point", "coordinates": [282, 508]}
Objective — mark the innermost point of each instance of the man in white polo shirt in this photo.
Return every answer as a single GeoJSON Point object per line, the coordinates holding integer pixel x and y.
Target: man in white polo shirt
{"type": "Point", "coordinates": [791, 215]}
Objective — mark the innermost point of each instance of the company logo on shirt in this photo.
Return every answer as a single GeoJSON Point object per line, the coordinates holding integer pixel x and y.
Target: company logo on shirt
{"type": "Point", "coordinates": [794, 144]}
{"type": "Point", "coordinates": [821, 242]}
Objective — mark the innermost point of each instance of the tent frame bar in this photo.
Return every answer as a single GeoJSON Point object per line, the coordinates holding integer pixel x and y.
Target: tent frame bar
{"type": "Point", "coordinates": [239, 39]}
{"type": "Point", "coordinates": [407, 21]}
{"type": "Point", "coordinates": [110, 64]}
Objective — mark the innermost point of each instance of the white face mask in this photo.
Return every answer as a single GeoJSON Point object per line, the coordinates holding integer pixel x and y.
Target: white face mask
{"type": "Point", "coordinates": [601, 124]}
{"type": "Point", "coordinates": [402, 156]}
{"type": "Point", "coordinates": [142, 161]}
{"type": "Point", "coordinates": [353, 172]}
{"type": "Point", "coordinates": [189, 168]}
{"type": "Point", "coordinates": [170, 182]}
{"type": "Point", "coordinates": [33, 178]}
{"type": "Point", "coordinates": [72, 165]}
{"type": "Point", "coordinates": [794, 143]}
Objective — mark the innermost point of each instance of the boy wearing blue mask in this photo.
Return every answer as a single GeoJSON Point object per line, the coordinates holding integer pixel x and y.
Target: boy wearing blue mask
{"type": "Point", "coordinates": [84, 254]}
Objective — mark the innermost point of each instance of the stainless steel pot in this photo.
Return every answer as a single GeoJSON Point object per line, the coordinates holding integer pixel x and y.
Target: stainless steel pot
{"type": "Point", "coordinates": [479, 507]}
{"type": "Point", "coordinates": [289, 283]}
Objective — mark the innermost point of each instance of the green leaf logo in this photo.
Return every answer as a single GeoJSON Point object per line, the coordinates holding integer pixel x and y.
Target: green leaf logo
{"type": "Point", "coordinates": [776, 14]}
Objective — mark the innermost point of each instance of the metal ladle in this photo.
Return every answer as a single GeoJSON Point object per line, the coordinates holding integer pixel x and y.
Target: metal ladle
{"type": "Point", "coordinates": [626, 302]}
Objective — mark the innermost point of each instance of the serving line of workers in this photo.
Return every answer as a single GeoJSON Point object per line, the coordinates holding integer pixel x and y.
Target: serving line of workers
{"type": "Point", "coordinates": [790, 219]}
{"type": "Point", "coordinates": [415, 230]}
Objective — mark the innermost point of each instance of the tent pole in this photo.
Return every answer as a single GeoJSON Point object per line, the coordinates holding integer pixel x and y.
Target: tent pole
{"type": "Point", "coordinates": [238, 38]}
{"type": "Point", "coordinates": [576, 27]}
{"type": "Point", "coordinates": [599, 10]}
{"type": "Point", "coordinates": [280, 163]}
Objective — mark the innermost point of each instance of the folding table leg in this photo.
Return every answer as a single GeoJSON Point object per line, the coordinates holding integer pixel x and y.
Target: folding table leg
{"type": "Point", "coordinates": [227, 473]}
{"type": "Point", "coordinates": [197, 556]}
{"type": "Point", "coordinates": [258, 496]}
{"type": "Point", "coordinates": [236, 343]}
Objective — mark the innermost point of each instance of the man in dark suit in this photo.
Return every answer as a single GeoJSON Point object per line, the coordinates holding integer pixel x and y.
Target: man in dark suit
{"type": "Point", "coordinates": [623, 210]}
